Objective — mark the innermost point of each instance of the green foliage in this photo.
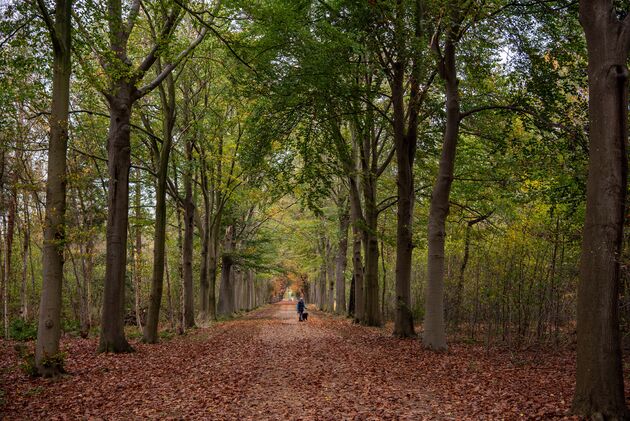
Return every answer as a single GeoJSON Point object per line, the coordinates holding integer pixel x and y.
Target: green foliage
{"type": "Point", "coordinates": [29, 367]}
{"type": "Point", "coordinates": [70, 325]}
{"type": "Point", "coordinates": [167, 334]}
{"type": "Point", "coordinates": [21, 330]}
{"type": "Point", "coordinates": [27, 364]}
{"type": "Point", "coordinates": [55, 361]}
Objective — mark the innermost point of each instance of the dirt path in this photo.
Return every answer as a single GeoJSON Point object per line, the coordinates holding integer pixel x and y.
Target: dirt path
{"type": "Point", "coordinates": [268, 365]}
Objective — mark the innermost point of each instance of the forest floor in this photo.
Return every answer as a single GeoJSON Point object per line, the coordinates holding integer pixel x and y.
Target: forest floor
{"type": "Point", "coordinates": [267, 365]}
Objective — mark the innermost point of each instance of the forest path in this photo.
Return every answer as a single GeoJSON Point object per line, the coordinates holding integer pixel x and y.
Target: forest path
{"type": "Point", "coordinates": [269, 366]}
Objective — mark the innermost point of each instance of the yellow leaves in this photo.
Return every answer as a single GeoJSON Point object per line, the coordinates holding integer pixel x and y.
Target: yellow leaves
{"type": "Point", "coordinates": [529, 185]}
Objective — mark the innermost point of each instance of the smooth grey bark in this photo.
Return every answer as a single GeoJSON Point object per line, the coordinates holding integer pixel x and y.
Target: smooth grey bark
{"type": "Point", "coordinates": [349, 156]}
{"type": "Point", "coordinates": [434, 336]}
{"type": "Point", "coordinates": [26, 238]}
{"type": "Point", "coordinates": [357, 260]}
{"type": "Point", "coordinates": [384, 269]}
{"type": "Point", "coordinates": [121, 95]}
{"type": "Point", "coordinates": [371, 308]}
{"type": "Point", "coordinates": [169, 297]}
{"type": "Point", "coordinates": [213, 200]}
{"type": "Point", "coordinates": [366, 143]}
{"type": "Point", "coordinates": [180, 268]}
{"type": "Point", "coordinates": [204, 232]}
{"type": "Point", "coordinates": [48, 330]}
{"type": "Point", "coordinates": [405, 125]}
{"type": "Point", "coordinates": [251, 276]}
{"type": "Point", "coordinates": [112, 338]}
{"type": "Point", "coordinates": [362, 166]}
{"type": "Point", "coordinates": [322, 301]}
{"type": "Point", "coordinates": [330, 275]}
{"type": "Point", "coordinates": [405, 152]}
{"type": "Point", "coordinates": [8, 255]}
{"type": "Point", "coordinates": [341, 260]}
{"type": "Point", "coordinates": [137, 251]}
{"type": "Point", "coordinates": [213, 247]}
{"type": "Point", "coordinates": [599, 391]}
{"type": "Point", "coordinates": [187, 253]}
{"type": "Point", "coordinates": [226, 288]}
{"type": "Point", "coordinates": [27, 258]}
{"type": "Point", "coordinates": [167, 95]}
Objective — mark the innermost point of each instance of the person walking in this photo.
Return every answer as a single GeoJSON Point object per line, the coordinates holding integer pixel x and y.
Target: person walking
{"type": "Point", "coordinates": [300, 309]}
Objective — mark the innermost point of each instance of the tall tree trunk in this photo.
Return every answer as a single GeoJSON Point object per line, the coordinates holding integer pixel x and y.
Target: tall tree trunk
{"type": "Point", "coordinates": [226, 288]}
{"type": "Point", "coordinates": [371, 308]}
{"type": "Point", "coordinates": [48, 330]}
{"type": "Point", "coordinates": [216, 199]}
{"type": "Point", "coordinates": [189, 213]}
{"type": "Point", "coordinates": [180, 270]}
{"type": "Point", "coordinates": [212, 271]}
{"type": "Point", "coordinates": [383, 315]}
{"type": "Point", "coordinates": [405, 126]}
{"type": "Point", "coordinates": [356, 219]}
{"type": "Point", "coordinates": [8, 256]}
{"type": "Point", "coordinates": [250, 289]}
{"type": "Point", "coordinates": [88, 271]}
{"type": "Point", "coordinates": [342, 258]}
{"type": "Point", "coordinates": [330, 271]}
{"type": "Point", "coordinates": [112, 337]}
{"type": "Point", "coordinates": [204, 231]}
{"type": "Point", "coordinates": [137, 255]}
{"type": "Point", "coordinates": [434, 336]}
{"type": "Point", "coordinates": [150, 334]}
{"type": "Point", "coordinates": [121, 96]}
{"type": "Point", "coordinates": [204, 293]}
{"type": "Point", "coordinates": [599, 391]}
{"type": "Point", "coordinates": [405, 151]}
{"type": "Point", "coordinates": [321, 288]}
{"type": "Point", "coordinates": [26, 238]}
{"type": "Point", "coordinates": [169, 297]}
{"type": "Point", "coordinates": [351, 298]}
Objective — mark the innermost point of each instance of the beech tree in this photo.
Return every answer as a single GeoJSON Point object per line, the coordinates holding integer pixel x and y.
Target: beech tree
{"type": "Point", "coordinates": [49, 327]}
{"type": "Point", "coordinates": [122, 91]}
{"type": "Point", "coordinates": [599, 391]}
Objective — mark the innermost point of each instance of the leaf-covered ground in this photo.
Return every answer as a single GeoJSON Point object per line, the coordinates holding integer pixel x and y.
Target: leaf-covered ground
{"type": "Point", "coordinates": [269, 366]}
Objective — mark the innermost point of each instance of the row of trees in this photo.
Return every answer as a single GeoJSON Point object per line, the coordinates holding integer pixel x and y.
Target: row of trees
{"type": "Point", "coordinates": [176, 141]}
{"type": "Point", "coordinates": [371, 85]}
{"type": "Point", "coordinates": [316, 140]}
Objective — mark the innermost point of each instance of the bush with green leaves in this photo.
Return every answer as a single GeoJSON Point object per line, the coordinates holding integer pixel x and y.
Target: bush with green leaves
{"type": "Point", "coordinates": [21, 330]}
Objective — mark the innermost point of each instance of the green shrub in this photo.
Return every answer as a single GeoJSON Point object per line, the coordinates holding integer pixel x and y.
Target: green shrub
{"type": "Point", "coordinates": [28, 366]}
{"type": "Point", "coordinates": [22, 331]}
{"type": "Point", "coordinates": [55, 361]}
{"type": "Point", "coordinates": [166, 335]}
{"type": "Point", "coordinates": [70, 325]}
{"type": "Point", "coordinates": [28, 360]}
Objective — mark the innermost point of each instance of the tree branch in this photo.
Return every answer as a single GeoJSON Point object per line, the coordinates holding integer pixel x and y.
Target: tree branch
{"type": "Point", "coordinates": [131, 19]}
{"type": "Point", "coordinates": [50, 25]}
{"type": "Point", "coordinates": [493, 107]}
{"type": "Point", "coordinates": [169, 68]}
{"type": "Point", "coordinates": [166, 30]}
{"type": "Point", "coordinates": [216, 33]}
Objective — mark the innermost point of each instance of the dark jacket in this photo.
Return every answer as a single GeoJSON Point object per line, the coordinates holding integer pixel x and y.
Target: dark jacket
{"type": "Point", "coordinates": [300, 306]}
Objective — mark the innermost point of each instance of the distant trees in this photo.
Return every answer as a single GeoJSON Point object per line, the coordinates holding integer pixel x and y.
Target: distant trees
{"type": "Point", "coordinates": [305, 145]}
